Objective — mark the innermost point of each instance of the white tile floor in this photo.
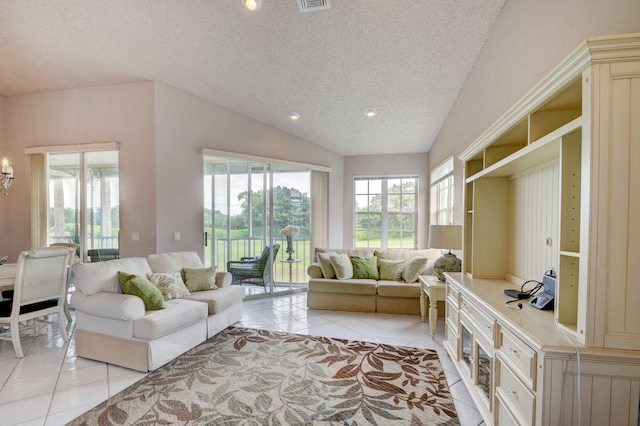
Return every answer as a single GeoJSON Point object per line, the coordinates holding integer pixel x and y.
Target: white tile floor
{"type": "Point", "coordinates": [51, 386]}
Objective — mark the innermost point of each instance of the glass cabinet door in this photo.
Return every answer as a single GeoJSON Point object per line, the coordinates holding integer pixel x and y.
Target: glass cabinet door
{"type": "Point", "coordinates": [467, 348]}
{"type": "Point", "coordinates": [483, 371]}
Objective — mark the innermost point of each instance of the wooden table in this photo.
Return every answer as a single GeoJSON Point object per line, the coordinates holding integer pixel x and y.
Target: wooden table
{"type": "Point", "coordinates": [435, 290]}
{"type": "Point", "coordinates": [7, 276]}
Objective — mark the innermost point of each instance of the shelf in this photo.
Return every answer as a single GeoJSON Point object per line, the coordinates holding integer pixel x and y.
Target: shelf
{"type": "Point", "coordinates": [545, 149]}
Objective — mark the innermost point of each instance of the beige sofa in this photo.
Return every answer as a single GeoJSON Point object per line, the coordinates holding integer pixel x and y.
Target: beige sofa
{"type": "Point", "coordinates": [114, 327]}
{"type": "Point", "coordinates": [368, 295]}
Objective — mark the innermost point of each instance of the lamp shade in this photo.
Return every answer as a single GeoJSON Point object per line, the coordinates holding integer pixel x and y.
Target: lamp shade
{"type": "Point", "coordinates": [445, 237]}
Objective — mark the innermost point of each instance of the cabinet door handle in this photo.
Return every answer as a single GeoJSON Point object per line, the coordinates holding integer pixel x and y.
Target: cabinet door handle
{"type": "Point", "coordinates": [513, 351]}
{"type": "Point", "coordinates": [472, 360]}
{"type": "Point", "coordinates": [511, 391]}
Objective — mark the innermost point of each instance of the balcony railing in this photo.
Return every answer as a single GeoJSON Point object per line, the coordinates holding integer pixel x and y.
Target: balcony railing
{"type": "Point", "coordinates": [249, 247]}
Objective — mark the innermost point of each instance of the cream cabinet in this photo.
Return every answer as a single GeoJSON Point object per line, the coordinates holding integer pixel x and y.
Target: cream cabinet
{"type": "Point", "coordinates": [555, 184]}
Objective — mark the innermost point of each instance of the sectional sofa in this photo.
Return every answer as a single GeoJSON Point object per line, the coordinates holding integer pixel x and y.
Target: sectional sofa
{"type": "Point", "coordinates": [116, 328]}
{"type": "Point", "coordinates": [387, 293]}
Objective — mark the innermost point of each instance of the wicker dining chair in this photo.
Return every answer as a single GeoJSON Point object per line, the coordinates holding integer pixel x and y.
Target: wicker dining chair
{"type": "Point", "coordinates": [73, 246]}
{"type": "Point", "coordinates": [40, 290]}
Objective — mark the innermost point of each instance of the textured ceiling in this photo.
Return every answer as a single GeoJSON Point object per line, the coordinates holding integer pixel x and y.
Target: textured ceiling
{"type": "Point", "coordinates": [406, 58]}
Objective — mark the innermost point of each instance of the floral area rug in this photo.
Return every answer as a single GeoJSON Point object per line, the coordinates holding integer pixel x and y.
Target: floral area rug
{"type": "Point", "coordinates": [256, 377]}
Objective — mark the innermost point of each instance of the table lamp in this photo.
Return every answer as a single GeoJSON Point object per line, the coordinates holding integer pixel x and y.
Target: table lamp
{"type": "Point", "coordinates": [448, 237]}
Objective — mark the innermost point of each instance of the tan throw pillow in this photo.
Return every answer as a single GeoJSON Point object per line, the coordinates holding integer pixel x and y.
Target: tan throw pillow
{"type": "Point", "coordinates": [200, 279]}
{"type": "Point", "coordinates": [342, 266]}
{"type": "Point", "coordinates": [391, 270]}
{"type": "Point", "coordinates": [413, 268]}
{"type": "Point", "coordinates": [169, 284]}
{"type": "Point", "coordinates": [324, 259]}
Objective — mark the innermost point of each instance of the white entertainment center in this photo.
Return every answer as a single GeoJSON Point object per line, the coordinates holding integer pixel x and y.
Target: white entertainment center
{"type": "Point", "coordinates": [555, 184]}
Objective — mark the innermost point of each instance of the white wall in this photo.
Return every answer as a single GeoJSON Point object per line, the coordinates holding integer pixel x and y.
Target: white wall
{"type": "Point", "coordinates": [185, 125]}
{"type": "Point", "coordinates": [530, 38]}
{"type": "Point", "coordinates": [387, 165]}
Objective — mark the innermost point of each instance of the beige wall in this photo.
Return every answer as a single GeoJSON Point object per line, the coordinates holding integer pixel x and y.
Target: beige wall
{"type": "Point", "coordinates": [161, 132]}
{"type": "Point", "coordinates": [387, 165]}
{"type": "Point", "coordinates": [530, 38]}
{"type": "Point", "coordinates": [121, 113]}
{"type": "Point", "coordinates": [184, 126]}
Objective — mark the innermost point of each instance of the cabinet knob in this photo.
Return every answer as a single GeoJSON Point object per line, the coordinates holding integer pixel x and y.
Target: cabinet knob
{"type": "Point", "coordinates": [513, 351]}
{"type": "Point", "coordinates": [511, 391]}
{"type": "Point", "coordinates": [471, 360]}
{"type": "Point", "coordinates": [489, 327]}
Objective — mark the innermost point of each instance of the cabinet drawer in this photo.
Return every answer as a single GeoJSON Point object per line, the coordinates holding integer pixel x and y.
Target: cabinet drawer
{"type": "Point", "coordinates": [515, 394]}
{"type": "Point", "coordinates": [453, 296]}
{"type": "Point", "coordinates": [451, 341]}
{"type": "Point", "coordinates": [519, 355]}
{"type": "Point", "coordinates": [453, 316]}
{"type": "Point", "coordinates": [484, 322]}
{"type": "Point", "coordinates": [502, 415]}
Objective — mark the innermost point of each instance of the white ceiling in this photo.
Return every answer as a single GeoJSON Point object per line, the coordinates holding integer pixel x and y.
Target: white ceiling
{"type": "Point", "coordinates": [406, 58]}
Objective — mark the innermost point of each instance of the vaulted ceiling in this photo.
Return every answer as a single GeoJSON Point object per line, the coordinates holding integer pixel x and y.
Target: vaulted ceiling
{"type": "Point", "coordinates": [407, 59]}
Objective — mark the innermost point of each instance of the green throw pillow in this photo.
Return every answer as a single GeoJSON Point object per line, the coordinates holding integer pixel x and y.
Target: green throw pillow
{"type": "Point", "coordinates": [413, 268]}
{"type": "Point", "coordinates": [324, 259]}
{"type": "Point", "coordinates": [365, 267]}
{"type": "Point", "coordinates": [391, 270]}
{"type": "Point", "coordinates": [143, 288]}
{"type": "Point", "coordinates": [169, 284]}
{"type": "Point", "coordinates": [200, 279]}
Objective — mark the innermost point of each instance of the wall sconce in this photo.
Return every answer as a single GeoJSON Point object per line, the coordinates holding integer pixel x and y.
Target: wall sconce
{"type": "Point", "coordinates": [6, 177]}
{"type": "Point", "coordinates": [252, 5]}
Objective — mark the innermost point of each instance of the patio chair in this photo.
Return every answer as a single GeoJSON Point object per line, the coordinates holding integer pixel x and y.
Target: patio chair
{"type": "Point", "coordinates": [39, 291]}
{"type": "Point", "coordinates": [256, 270]}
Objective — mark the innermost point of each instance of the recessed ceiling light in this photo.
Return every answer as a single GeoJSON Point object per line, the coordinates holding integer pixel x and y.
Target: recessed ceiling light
{"type": "Point", "coordinates": [252, 5]}
{"type": "Point", "coordinates": [294, 116]}
{"type": "Point", "coordinates": [370, 112]}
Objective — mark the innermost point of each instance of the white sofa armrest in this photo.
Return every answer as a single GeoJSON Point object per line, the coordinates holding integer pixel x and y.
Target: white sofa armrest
{"type": "Point", "coordinates": [223, 279]}
{"type": "Point", "coordinates": [109, 305]}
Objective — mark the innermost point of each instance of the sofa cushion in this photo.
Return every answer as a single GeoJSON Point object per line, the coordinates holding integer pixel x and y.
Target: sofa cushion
{"type": "Point", "coordinates": [174, 262]}
{"type": "Point", "coordinates": [92, 278]}
{"type": "Point", "coordinates": [200, 279]}
{"type": "Point", "coordinates": [352, 286]}
{"type": "Point", "coordinates": [170, 284]}
{"type": "Point", "coordinates": [398, 289]}
{"type": "Point", "coordinates": [314, 271]}
{"type": "Point", "coordinates": [413, 268]}
{"type": "Point", "coordinates": [324, 260]}
{"type": "Point", "coordinates": [180, 313]}
{"type": "Point", "coordinates": [342, 266]}
{"type": "Point", "coordinates": [364, 267]}
{"type": "Point", "coordinates": [219, 300]}
{"type": "Point", "coordinates": [391, 270]}
{"type": "Point", "coordinates": [143, 288]}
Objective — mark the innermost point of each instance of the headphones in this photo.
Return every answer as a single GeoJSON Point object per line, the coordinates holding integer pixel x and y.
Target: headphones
{"type": "Point", "coordinates": [512, 307]}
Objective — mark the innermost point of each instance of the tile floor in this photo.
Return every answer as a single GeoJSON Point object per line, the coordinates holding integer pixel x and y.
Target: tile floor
{"type": "Point", "coordinates": [51, 386]}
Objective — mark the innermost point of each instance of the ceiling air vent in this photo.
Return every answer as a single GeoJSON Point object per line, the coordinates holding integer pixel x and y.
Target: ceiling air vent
{"type": "Point", "coordinates": [313, 5]}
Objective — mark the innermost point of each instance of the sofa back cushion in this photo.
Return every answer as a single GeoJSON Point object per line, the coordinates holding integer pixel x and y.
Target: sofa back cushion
{"type": "Point", "coordinates": [364, 252]}
{"type": "Point", "coordinates": [174, 262]}
{"type": "Point", "coordinates": [92, 278]}
{"type": "Point", "coordinates": [431, 254]}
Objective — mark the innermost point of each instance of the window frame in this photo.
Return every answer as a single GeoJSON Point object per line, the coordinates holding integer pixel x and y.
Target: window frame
{"type": "Point", "coordinates": [442, 193]}
{"type": "Point", "coordinates": [385, 211]}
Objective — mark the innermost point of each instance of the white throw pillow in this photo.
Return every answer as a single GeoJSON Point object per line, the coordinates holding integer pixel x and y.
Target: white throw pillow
{"type": "Point", "coordinates": [342, 266]}
{"type": "Point", "coordinates": [170, 285]}
{"type": "Point", "coordinates": [413, 268]}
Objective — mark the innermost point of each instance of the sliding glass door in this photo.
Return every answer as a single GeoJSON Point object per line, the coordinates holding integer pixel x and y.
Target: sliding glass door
{"type": "Point", "coordinates": [247, 204]}
{"type": "Point", "coordinates": [83, 194]}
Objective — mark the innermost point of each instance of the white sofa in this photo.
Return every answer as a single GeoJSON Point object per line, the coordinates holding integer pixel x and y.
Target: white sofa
{"type": "Point", "coordinates": [114, 327]}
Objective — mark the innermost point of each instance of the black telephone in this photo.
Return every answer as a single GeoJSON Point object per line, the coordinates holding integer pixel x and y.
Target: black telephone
{"type": "Point", "coordinates": [544, 299]}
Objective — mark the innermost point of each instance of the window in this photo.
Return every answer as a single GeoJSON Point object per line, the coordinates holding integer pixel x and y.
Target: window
{"type": "Point", "coordinates": [385, 211]}
{"type": "Point", "coordinates": [442, 193]}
